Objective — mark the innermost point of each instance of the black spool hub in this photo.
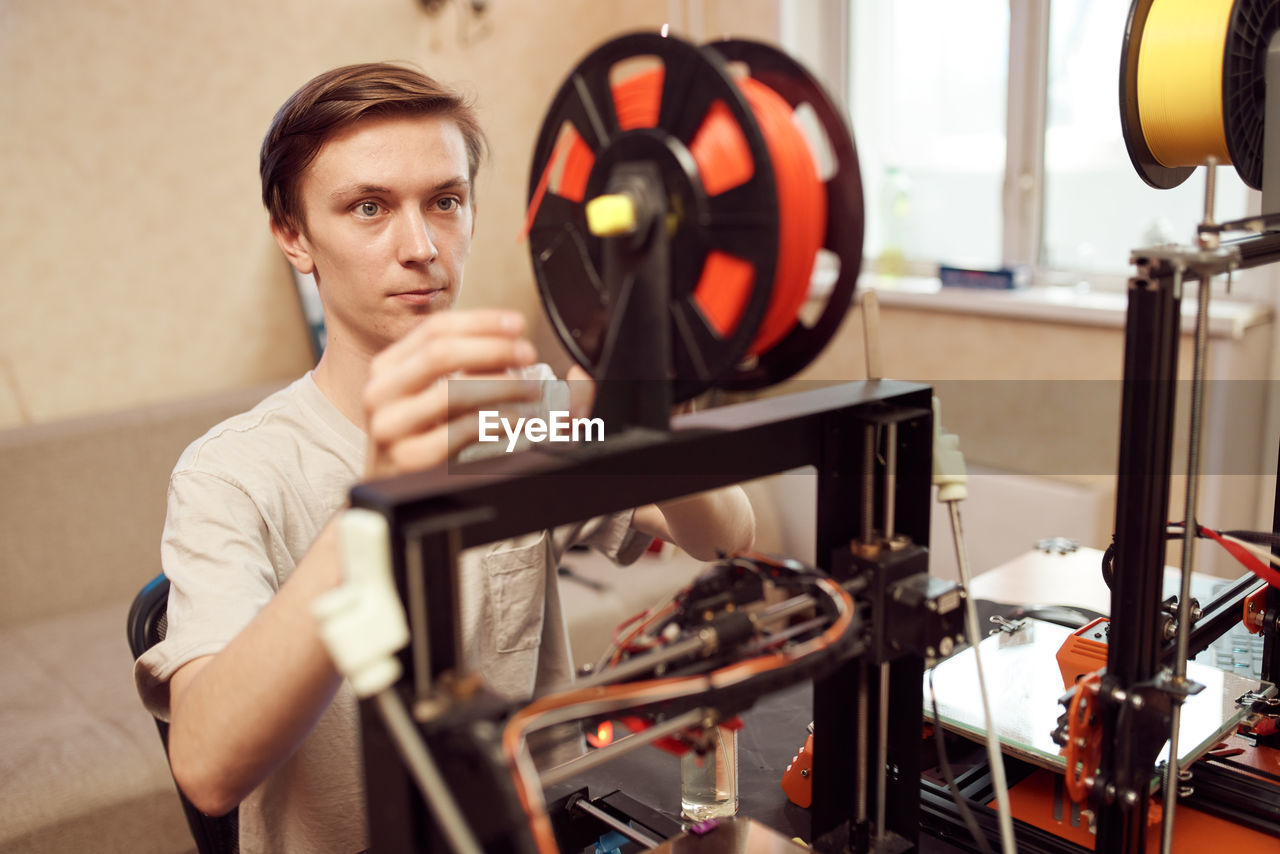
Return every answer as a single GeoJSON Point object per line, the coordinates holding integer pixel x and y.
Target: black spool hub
{"type": "Point", "coordinates": [743, 221]}
{"type": "Point", "coordinates": [845, 216]}
{"type": "Point", "coordinates": [1148, 168]}
{"type": "Point", "coordinates": [1244, 83]}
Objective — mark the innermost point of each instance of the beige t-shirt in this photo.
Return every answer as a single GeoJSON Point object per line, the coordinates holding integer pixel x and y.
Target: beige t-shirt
{"type": "Point", "coordinates": [246, 501]}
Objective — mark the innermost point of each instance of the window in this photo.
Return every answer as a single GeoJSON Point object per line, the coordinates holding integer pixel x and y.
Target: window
{"type": "Point", "coordinates": [1096, 208]}
{"type": "Point", "coordinates": [988, 134]}
{"type": "Point", "coordinates": [930, 135]}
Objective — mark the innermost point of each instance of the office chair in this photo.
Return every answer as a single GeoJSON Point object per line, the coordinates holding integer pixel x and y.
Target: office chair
{"type": "Point", "coordinates": [148, 621]}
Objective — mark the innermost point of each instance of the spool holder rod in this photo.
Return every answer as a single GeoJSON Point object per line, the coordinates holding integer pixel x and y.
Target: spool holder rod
{"type": "Point", "coordinates": [633, 378]}
{"type": "Point", "coordinates": [1208, 237]}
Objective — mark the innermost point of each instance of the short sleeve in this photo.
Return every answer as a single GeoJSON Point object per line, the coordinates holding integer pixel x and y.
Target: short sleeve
{"type": "Point", "coordinates": [611, 535]}
{"type": "Point", "coordinates": [216, 553]}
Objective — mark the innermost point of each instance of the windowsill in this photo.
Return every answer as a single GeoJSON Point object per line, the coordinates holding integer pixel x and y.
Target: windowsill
{"type": "Point", "coordinates": [1228, 318]}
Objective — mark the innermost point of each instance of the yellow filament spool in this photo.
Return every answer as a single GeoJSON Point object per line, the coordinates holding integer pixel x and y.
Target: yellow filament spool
{"type": "Point", "coordinates": [1180, 90]}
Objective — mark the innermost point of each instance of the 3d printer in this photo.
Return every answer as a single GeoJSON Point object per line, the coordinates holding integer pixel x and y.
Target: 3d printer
{"type": "Point", "coordinates": [673, 221]}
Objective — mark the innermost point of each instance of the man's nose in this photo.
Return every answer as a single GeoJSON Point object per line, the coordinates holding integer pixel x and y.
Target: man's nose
{"type": "Point", "coordinates": [415, 245]}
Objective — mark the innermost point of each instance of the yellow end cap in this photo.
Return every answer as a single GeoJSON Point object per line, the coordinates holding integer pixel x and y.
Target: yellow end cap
{"type": "Point", "coordinates": [611, 215]}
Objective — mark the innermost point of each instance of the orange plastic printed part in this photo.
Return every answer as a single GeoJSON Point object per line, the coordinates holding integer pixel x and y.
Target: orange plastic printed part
{"type": "Point", "coordinates": [1255, 606]}
{"type": "Point", "coordinates": [1084, 652]}
{"type": "Point", "coordinates": [797, 780]}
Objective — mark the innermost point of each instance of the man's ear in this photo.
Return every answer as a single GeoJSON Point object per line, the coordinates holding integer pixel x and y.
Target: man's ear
{"type": "Point", "coordinates": [294, 246]}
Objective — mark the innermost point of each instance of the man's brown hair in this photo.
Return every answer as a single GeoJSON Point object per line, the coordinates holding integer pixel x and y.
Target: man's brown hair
{"type": "Point", "coordinates": [336, 99]}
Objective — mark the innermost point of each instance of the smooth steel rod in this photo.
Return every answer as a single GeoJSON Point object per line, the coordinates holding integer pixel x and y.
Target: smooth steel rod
{"type": "Point", "coordinates": [1190, 527]}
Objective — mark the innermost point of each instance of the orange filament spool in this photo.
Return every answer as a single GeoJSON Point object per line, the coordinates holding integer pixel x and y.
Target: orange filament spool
{"type": "Point", "coordinates": [724, 162]}
{"type": "Point", "coordinates": [748, 206]}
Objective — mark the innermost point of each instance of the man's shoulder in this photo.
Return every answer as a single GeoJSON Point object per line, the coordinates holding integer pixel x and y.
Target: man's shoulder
{"type": "Point", "coordinates": [261, 432]}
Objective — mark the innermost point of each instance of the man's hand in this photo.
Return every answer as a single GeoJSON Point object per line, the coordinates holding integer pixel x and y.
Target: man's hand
{"type": "Point", "coordinates": [582, 391]}
{"type": "Point", "coordinates": [417, 420]}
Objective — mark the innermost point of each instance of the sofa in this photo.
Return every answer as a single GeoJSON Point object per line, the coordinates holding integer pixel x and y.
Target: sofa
{"type": "Point", "coordinates": [81, 763]}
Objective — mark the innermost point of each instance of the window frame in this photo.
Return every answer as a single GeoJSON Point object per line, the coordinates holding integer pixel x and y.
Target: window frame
{"type": "Point", "coordinates": [818, 31]}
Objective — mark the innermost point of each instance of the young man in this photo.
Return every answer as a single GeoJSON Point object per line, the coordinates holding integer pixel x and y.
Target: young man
{"type": "Point", "coordinates": [368, 174]}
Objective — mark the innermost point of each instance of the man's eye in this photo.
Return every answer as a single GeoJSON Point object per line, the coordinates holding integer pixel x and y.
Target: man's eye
{"type": "Point", "coordinates": [447, 203]}
{"type": "Point", "coordinates": [367, 208]}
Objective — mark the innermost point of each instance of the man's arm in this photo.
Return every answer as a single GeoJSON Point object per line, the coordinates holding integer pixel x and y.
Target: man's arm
{"type": "Point", "coordinates": [237, 715]}
{"type": "Point", "coordinates": [703, 525]}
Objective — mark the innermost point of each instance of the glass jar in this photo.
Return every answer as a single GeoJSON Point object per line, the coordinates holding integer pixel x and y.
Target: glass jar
{"type": "Point", "coordinates": [709, 780]}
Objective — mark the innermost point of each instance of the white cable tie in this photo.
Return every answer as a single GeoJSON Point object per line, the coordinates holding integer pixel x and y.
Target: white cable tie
{"type": "Point", "coordinates": [362, 622]}
{"type": "Point", "coordinates": [948, 462]}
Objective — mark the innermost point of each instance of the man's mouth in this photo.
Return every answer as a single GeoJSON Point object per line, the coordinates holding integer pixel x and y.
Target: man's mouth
{"type": "Point", "coordinates": [419, 296]}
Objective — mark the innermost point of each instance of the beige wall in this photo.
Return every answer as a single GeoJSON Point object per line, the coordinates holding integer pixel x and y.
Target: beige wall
{"type": "Point", "coordinates": [1040, 401]}
{"type": "Point", "coordinates": [135, 263]}
{"type": "Point", "coordinates": [1043, 397]}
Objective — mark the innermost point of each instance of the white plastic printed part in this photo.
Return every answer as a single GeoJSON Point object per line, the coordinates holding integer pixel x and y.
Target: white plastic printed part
{"type": "Point", "coordinates": [362, 622]}
{"type": "Point", "coordinates": [948, 463]}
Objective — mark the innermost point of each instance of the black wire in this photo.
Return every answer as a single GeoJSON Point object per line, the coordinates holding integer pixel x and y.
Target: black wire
{"type": "Point", "coordinates": [1258, 538]}
{"type": "Point", "coordinates": [1109, 562]}
{"type": "Point", "coordinates": [944, 765]}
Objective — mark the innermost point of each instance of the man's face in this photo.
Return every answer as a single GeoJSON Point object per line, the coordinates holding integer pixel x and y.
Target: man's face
{"type": "Point", "coordinates": [389, 218]}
